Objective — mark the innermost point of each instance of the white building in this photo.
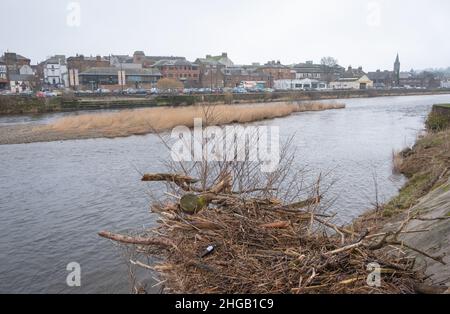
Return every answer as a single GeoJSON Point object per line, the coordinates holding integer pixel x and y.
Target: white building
{"type": "Point", "coordinates": [20, 83]}
{"type": "Point", "coordinates": [299, 84]}
{"type": "Point", "coordinates": [26, 70]}
{"type": "Point", "coordinates": [124, 62]}
{"type": "Point", "coordinates": [362, 82]}
{"type": "Point", "coordinates": [3, 75]}
{"type": "Point", "coordinates": [445, 84]}
{"type": "Point", "coordinates": [55, 72]}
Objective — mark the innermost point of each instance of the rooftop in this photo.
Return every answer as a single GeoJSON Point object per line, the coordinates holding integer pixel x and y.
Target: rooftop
{"type": "Point", "coordinates": [114, 71]}
{"type": "Point", "coordinates": [20, 77]}
{"type": "Point", "coordinates": [173, 62]}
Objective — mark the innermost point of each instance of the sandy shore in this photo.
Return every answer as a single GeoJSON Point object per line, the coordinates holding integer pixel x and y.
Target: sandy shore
{"type": "Point", "coordinates": [145, 121]}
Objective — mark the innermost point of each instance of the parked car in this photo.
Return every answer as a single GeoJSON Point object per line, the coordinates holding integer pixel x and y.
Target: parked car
{"type": "Point", "coordinates": [154, 91]}
{"type": "Point", "coordinates": [130, 91]}
{"type": "Point", "coordinates": [239, 90]}
{"type": "Point", "coordinates": [6, 92]}
{"type": "Point", "coordinates": [103, 91]}
{"type": "Point", "coordinates": [50, 94]}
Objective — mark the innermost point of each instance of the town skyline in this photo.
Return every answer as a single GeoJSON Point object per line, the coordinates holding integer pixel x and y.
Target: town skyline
{"type": "Point", "coordinates": [357, 33]}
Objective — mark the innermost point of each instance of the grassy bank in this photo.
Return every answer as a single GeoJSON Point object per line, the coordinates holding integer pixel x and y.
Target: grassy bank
{"type": "Point", "coordinates": [426, 164]}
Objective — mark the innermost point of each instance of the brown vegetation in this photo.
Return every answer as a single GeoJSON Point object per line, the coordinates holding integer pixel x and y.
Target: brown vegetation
{"type": "Point", "coordinates": [169, 84]}
{"type": "Point", "coordinates": [427, 166]}
{"type": "Point", "coordinates": [244, 244]}
{"type": "Point", "coordinates": [249, 232]}
{"type": "Point", "coordinates": [143, 121]}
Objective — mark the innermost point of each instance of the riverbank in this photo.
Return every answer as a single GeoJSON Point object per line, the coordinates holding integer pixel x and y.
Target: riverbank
{"type": "Point", "coordinates": [150, 120]}
{"type": "Point", "coordinates": [424, 201]}
{"type": "Point", "coordinates": [13, 105]}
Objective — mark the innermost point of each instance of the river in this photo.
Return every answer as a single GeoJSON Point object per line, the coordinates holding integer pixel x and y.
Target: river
{"type": "Point", "coordinates": [56, 196]}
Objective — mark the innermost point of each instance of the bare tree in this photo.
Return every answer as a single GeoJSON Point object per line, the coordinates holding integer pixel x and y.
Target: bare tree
{"type": "Point", "coordinates": [329, 65]}
{"type": "Point", "coordinates": [167, 84]}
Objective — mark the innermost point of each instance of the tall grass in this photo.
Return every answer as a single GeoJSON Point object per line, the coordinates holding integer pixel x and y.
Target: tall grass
{"type": "Point", "coordinates": [143, 121]}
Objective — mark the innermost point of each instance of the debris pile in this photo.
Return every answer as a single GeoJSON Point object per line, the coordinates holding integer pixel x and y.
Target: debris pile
{"type": "Point", "coordinates": [215, 240]}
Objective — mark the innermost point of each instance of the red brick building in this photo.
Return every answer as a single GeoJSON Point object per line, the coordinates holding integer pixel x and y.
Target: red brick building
{"type": "Point", "coordinates": [82, 63]}
{"type": "Point", "coordinates": [139, 57]}
{"type": "Point", "coordinates": [277, 71]}
{"type": "Point", "coordinates": [184, 71]}
{"type": "Point", "coordinates": [234, 76]}
{"type": "Point", "coordinates": [14, 62]}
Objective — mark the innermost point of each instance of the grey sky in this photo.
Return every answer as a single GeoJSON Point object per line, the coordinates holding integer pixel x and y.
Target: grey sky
{"type": "Point", "coordinates": [249, 30]}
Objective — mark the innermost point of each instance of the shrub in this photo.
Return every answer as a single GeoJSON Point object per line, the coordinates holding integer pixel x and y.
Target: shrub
{"type": "Point", "coordinates": [229, 98]}
{"type": "Point", "coordinates": [437, 122]}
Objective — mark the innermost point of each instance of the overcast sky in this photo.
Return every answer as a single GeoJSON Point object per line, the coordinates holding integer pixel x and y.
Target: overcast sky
{"type": "Point", "coordinates": [356, 32]}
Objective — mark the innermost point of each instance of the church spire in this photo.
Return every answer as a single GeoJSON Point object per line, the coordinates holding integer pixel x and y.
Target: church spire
{"type": "Point", "coordinates": [397, 71]}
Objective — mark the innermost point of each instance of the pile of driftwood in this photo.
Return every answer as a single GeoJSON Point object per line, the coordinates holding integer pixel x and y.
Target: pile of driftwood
{"type": "Point", "coordinates": [215, 240]}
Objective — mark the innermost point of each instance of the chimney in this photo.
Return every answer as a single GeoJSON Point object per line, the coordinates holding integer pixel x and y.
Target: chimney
{"type": "Point", "coordinates": [99, 58]}
{"type": "Point", "coordinates": [350, 68]}
{"type": "Point", "coordinates": [224, 54]}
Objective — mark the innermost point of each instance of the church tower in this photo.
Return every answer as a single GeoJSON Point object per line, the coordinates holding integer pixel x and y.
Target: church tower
{"type": "Point", "coordinates": [397, 71]}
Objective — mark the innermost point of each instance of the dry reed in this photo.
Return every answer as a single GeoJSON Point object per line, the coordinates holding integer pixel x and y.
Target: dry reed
{"type": "Point", "coordinates": [144, 121]}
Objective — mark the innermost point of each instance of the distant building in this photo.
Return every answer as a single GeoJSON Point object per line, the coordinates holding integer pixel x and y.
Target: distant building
{"type": "Point", "coordinates": [124, 62]}
{"type": "Point", "coordinates": [397, 71]}
{"type": "Point", "coordinates": [21, 83]}
{"type": "Point", "coordinates": [13, 63]}
{"type": "Point", "coordinates": [211, 70]}
{"type": "Point", "coordinates": [108, 77]}
{"type": "Point", "coordinates": [82, 63]}
{"type": "Point", "coordinates": [234, 76]}
{"type": "Point", "coordinates": [419, 80]}
{"type": "Point", "coordinates": [16, 71]}
{"type": "Point", "coordinates": [277, 71]}
{"type": "Point", "coordinates": [445, 84]}
{"type": "Point", "coordinates": [299, 84]}
{"type": "Point", "coordinates": [222, 60]}
{"type": "Point", "coordinates": [55, 71]}
{"type": "Point", "coordinates": [3, 75]}
{"type": "Point", "coordinates": [382, 79]}
{"type": "Point", "coordinates": [352, 79]}
{"type": "Point", "coordinates": [139, 57]}
{"type": "Point", "coordinates": [184, 71]}
{"type": "Point", "coordinates": [317, 71]}
{"type": "Point", "coordinates": [387, 79]}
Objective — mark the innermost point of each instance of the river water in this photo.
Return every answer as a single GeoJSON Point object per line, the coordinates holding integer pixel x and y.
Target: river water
{"type": "Point", "coordinates": [55, 197]}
